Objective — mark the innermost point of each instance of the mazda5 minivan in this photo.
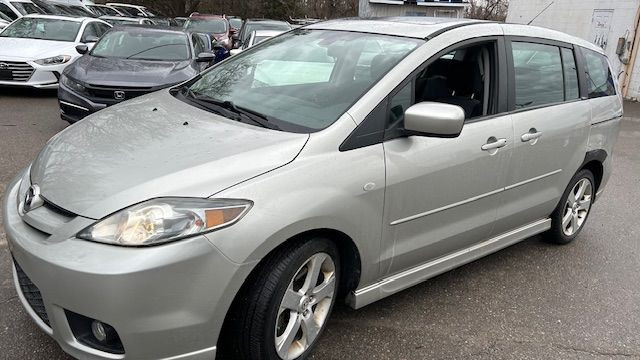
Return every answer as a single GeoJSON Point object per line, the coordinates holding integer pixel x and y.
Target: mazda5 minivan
{"type": "Point", "coordinates": [343, 161]}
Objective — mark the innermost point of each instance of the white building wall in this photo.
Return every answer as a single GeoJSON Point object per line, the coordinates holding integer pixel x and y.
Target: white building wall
{"type": "Point", "coordinates": [576, 17]}
{"type": "Point", "coordinates": [368, 9]}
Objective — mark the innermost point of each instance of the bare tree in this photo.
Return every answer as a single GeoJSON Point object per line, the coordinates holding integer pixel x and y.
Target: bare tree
{"type": "Point", "coordinates": [488, 9]}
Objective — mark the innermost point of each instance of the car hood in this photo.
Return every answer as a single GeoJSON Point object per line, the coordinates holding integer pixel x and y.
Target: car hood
{"type": "Point", "coordinates": [128, 72]}
{"type": "Point", "coordinates": [154, 146]}
{"type": "Point", "coordinates": [33, 49]}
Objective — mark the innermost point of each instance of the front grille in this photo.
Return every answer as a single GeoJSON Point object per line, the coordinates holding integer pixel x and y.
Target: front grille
{"type": "Point", "coordinates": [108, 93]}
{"type": "Point", "coordinates": [31, 292]}
{"type": "Point", "coordinates": [15, 71]}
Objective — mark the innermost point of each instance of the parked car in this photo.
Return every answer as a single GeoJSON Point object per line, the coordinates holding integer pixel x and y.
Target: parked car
{"type": "Point", "coordinates": [181, 20]}
{"type": "Point", "coordinates": [251, 25]}
{"type": "Point", "coordinates": [214, 25]}
{"type": "Point", "coordinates": [257, 37]}
{"type": "Point", "coordinates": [235, 23]}
{"type": "Point", "coordinates": [134, 10]}
{"type": "Point", "coordinates": [104, 10]}
{"type": "Point", "coordinates": [35, 49]}
{"type": "Point", "coordinates": [129, 62]}
{"type": "Point", "coordinates": [122, 20]}
{"type": "Point", "coordinates": [224, 216]}
{"type": "Point", "coordinates": [14, 9]}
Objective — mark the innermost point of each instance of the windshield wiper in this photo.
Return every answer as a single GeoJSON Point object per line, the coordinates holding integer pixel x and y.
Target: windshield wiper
{"type": "Point", "coordinates": [254, 116]}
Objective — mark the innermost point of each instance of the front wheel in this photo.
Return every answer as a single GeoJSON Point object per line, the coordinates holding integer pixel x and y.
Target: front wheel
{"type": "Point", "coordinates": [571, 214]}
{"type": "Point", "coordinates": [285, 307]}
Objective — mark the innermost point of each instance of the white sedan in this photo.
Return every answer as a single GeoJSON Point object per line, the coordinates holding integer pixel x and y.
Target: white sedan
{"type": "Point", "coordinates": [35, 49]}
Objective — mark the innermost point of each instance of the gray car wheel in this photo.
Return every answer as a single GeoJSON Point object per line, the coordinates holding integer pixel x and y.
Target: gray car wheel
{"type": "Point", "coordinates": [573, 210]}
{"type": "Point", "coordinates": [284, 307]}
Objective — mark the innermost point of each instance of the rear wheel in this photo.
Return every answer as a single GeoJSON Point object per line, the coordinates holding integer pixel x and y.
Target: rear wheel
{"type": "Point", "coordinates": [571, 214]}
{"type": "Point", "coordinates": [285, 307]}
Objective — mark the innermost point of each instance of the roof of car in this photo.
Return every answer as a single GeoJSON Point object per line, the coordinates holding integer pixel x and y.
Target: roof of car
{"type": "Point", "coordinates": [425, 27]}
{"type": "Point", "coordinates": [61, 17]}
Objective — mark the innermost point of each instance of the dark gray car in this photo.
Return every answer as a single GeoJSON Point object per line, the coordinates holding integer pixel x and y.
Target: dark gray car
{"type": "Point", "coordinates": [128, 62]}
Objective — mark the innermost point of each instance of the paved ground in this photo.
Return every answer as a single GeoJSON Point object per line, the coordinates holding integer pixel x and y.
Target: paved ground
{"type": "Point", "coordinates": [530, 301]}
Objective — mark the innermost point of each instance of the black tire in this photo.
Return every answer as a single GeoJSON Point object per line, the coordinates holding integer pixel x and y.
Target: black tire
{"type": "Point", "coordinates": [251, 325]}
{"type": "Point", "coordinates": [557, 234]}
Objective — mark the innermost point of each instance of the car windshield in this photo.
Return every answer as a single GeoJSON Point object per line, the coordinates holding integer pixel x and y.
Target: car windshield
{"type": "Point", "coordinates": [303, 80]}
{"type": "Point", "coordinates": [45, 29]}
{"type": "Point", "coordinates": [5, 17]}
{"type": "Point", "coordinates": [26, 8]}
{"type": "Point", "coordinates": [143, 45]}
{"type": "Point", "coordinates": [127, 10]}
{"type": "Point", "coordinates": [211, 26]}
{"type": "Point", "coordinates": [235, 23]}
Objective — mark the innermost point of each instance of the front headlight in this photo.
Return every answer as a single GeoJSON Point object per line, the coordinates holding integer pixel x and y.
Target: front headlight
{"type": "Point", "coordinates": [164, 220]}
{"type": "Point", "coordinates": [72, 84]}
{"type": "Point", "coordinates": [55, 60]}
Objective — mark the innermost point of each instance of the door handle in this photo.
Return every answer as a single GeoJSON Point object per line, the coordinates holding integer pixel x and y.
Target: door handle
{"type": "Point", "coordinates": [533, 134]}
{"type": "Point", "coordinates": [494, 143]}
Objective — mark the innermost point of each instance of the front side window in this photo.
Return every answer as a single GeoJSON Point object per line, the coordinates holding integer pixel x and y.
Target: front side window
{"type": "Point", "coordinates": [304, 79]}
{"type": "Point", "coordinates": [143, 45]}
{"type": "Point", "coordinates": [44, 29]}
{"type": "Point", "coordinates": [5, 10]}
{"type": "Point", "coordinates": [210, 26]}
{"type": "Point", "coordinates": [538, 74]}
{"type": "Point", "coordinates": [599, 78]}
{"type": "Point", "coordinates": [26, 8]}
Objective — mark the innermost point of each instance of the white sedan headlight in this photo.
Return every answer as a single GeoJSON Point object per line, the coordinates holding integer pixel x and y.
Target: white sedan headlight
{"type": "Point", "coordinates": [55, 60]}
{"type": "Point", "coordinates": [164, 220]}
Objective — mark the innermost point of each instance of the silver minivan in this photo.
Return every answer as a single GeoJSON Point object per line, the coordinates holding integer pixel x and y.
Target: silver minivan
{"type": "Point", "coordinates": [343, 161]}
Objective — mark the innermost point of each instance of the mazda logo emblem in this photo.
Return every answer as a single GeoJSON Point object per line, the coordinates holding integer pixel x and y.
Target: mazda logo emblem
{"type": "Point", "coordinates": [32, 199]}
{"type": "Point", "coordinates": [4, 66]}
{"type": "Point", "coordinates": [119, 95]}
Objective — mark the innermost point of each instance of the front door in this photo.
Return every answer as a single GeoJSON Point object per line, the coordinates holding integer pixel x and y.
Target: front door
{"type": "Point", "coordinates": [441, 192]}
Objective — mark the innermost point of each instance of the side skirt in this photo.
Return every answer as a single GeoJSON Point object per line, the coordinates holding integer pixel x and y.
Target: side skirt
{"type": "Point", "coordinates": [398, 282]}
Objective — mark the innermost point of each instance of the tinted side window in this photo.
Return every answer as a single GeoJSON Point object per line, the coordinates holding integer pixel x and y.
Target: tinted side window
{"type": "Point", "coordinates": [7, 11]}
{"type": "Point", "coordinates": [90, 31]}
{"type": "Point", "coordinates": [198, 44]}
{"type": "Point", "coordinates": [102, 28]}
{"type": "Point", "coordinates": [599, 78]}
{"type": "Point", "coordinates": [571, 88]}
{"type": "Point", "coordinates": [538, 74]}
{"type": "Point", "coordinates": [398, 104]}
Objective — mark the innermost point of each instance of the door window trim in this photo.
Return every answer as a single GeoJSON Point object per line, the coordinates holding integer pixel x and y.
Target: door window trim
{"type": "Point", "coordinates": [362, 135]}
{"type": "Point", "coordinates": [577, 54]}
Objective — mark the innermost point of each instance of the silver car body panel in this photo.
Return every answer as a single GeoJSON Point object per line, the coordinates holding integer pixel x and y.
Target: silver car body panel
{"type": "Point", "coordinates": [162, 299]}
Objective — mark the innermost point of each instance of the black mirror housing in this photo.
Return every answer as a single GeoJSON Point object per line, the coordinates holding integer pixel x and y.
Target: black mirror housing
{"type": "Point", "coordinates": [82, 49]}
{"type": "Point", "coordinates": [205, 57]}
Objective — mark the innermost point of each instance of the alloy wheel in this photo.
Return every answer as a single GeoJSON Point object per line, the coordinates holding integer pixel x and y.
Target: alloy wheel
{"type": "Point", "coordinates": [577, 207]}
{"type": "Point", "coordinates": [305, 307]}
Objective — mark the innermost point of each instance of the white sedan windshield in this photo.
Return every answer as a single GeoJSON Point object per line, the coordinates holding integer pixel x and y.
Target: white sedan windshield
{"type": "Point", "coordinates": [45, 29]}
{"type": "Point", "coordinates": [305, 79]}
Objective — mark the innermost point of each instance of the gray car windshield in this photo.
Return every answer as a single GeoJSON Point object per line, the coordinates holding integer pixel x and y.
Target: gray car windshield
{"type": "Point", "coordinates": [143, 45]}
{"type": "Point", "coordinates": [44, 29]}
{"type": "Point", "coordinates": [305, 79]}
{"type": "Point", "coordinates": [211, 26]}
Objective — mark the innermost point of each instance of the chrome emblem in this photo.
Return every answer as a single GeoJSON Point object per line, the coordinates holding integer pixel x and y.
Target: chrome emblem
{"type": "Point", "coordinates": [32, 199]}
{"type": "Point", "coordinates": [4, 66]}
{"type": "Point", "coordinates": [119, 95]}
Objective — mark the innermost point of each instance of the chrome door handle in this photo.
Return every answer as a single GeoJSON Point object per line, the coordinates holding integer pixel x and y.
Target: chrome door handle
{"type": "Point", "coordinates": [494, 143]}
{"type": "Point", "coordinates": [532, 135]}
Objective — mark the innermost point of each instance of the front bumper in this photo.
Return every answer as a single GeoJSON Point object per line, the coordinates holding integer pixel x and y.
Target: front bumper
{"type": "Point", "coordinates": [42, 77]}
{"type": "Point", "coordinates": [75, 107]}
{"type": "Point", "coordinates": [165, 302]}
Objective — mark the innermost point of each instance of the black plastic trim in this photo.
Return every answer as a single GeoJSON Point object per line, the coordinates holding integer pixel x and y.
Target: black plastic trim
{"type": "Point", "coordinates": [598, 155]}
{"type": "Point", "coordinates": [453, 27]}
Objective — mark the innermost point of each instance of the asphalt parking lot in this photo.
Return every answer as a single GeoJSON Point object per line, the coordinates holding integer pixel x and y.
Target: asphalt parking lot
{"type": "Point", "coordinates": [530, 301]}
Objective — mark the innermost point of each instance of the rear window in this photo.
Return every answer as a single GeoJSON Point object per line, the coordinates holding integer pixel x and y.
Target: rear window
{"type": "Point", "coordinates": [538, 74]}
{"type": "Point", "coordinates": [599, 77]}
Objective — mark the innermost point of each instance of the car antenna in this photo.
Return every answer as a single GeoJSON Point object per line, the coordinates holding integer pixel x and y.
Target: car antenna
{"type": "Point", "coordinates": [540, 13]}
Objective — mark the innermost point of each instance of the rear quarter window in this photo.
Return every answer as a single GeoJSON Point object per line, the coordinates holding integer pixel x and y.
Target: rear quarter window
{"type": "Point", "coordinates": [599, 77]}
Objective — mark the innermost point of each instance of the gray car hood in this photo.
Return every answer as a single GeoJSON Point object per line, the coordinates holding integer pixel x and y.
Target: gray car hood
{"type": "Point", "coordinates": [154, 146]}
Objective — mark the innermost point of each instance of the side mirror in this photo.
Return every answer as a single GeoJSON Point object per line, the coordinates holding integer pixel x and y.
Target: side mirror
{"type": "Point", "coordinates": [434, 119]}
{"type": "Point", "coordinates": [206, 57]}
{"type": "Point", "coordinates": [91, 39]}
{"type": "Point", "coordinates": [82, 49]}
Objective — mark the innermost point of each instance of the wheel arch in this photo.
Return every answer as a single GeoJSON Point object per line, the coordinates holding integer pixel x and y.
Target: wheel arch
{"type": "Point", "coordinates": [594, 162]}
